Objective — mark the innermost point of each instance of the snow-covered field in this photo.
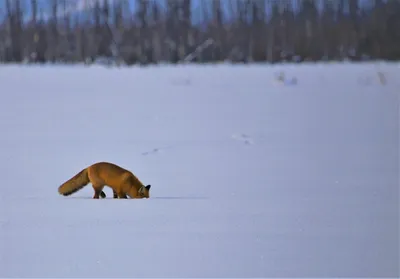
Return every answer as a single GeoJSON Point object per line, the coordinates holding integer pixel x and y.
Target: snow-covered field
{"type": "Point", "coordinates": [251, 177]}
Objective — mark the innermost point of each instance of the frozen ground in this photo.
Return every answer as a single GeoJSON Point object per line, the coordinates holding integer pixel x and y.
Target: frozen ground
{"type": "Point", "coordinates": [250, 177]}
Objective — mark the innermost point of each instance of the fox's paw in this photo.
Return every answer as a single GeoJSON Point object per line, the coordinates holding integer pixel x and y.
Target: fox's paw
{"type": "Point", "coordinates": [103, 195]}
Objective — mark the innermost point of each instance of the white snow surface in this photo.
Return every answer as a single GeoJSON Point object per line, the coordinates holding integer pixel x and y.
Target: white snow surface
{"type": "Point", "coordinates": [251, 177]}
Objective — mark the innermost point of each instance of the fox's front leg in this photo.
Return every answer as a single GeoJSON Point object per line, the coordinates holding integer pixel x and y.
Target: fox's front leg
{"type": "Point", "coordinates": [115, 195]}
{"type": "Point", "coordinates": [122, 195]}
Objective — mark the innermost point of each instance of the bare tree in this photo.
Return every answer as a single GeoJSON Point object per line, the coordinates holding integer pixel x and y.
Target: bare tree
{"type": "Point", "coordinates": [237, 30]}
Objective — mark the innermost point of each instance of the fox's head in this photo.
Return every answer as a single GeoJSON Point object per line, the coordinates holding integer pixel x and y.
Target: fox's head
{"type": "Point", "coordinates": [144, 191]}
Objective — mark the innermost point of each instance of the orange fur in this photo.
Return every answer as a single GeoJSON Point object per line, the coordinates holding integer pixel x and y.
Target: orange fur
{"type": "Point", "coordinates": [123, 182]}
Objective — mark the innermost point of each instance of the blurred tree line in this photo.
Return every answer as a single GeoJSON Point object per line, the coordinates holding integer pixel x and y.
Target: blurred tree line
{"type": "Point", "coordinates": [153, 33]}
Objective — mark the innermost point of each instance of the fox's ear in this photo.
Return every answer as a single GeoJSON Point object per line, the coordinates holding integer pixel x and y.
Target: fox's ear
{"type": "Point", "coordinates": [148, 187]}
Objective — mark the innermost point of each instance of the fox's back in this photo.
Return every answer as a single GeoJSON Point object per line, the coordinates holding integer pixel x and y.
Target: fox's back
{"type": "Point", "coordinates": [109, 173]}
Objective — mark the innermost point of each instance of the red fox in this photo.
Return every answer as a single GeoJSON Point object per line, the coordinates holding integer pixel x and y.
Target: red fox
{"type": "Point", "coordinates": [121, 181]}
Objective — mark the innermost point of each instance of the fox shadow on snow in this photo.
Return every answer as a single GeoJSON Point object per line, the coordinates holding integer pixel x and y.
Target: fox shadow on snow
{"type": "Point", "coordinates": [180, 198]}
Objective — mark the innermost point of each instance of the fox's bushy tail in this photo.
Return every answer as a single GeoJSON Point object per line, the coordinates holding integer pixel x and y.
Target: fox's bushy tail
{"type": "Point", "coordinates": [74, 184]}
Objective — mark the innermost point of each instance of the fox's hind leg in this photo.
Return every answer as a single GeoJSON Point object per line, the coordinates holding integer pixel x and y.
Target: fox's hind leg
{"type": "Point", "coordinates": [96, 194]}
{"type": "Point", "coordinates": [115, 195]}
{"type": "Point", "coordinates": [98, 191]}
